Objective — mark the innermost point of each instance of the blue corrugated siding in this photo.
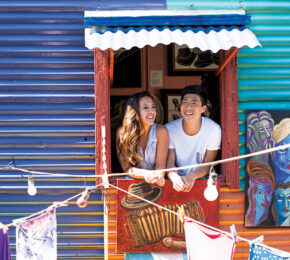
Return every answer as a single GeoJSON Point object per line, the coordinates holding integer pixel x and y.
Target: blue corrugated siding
{"type": "Point", "coordinates": [264, 73]}
{"type": "Point", "coordinates": [47, 118]}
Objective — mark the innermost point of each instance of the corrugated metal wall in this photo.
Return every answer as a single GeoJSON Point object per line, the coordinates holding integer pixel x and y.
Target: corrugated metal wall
{"type": "Point", "coordinates": [264, 73]}
{"type": "Point", "coordinates": [47, 119]}
{"type": "Point", "coordinates": [231, 211]}
{"type": "Point", "coordinates": [47, 115]}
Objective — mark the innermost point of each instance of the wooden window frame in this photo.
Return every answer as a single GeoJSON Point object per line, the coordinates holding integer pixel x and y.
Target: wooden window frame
{"type": "Point", "coordinates": [229, 119]}
{"type": "Point", "coordinates": [228, 106]}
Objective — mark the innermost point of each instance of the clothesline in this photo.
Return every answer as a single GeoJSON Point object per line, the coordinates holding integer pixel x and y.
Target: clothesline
{"type": "Point", "coordinates": [282, 147]}
{"type": "Point", "coordinates": [200, 223]}
{"type": "Point", "coordinates": [60, 204]}
{"type": "Point", "coordinates": [55, 204]}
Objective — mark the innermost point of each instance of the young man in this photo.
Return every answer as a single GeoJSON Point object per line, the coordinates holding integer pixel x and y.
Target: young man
{"type": "Point", "coordinates": [193, 139]}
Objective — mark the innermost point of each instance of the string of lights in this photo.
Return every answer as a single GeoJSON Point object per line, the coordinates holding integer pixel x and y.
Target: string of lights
{"type": "Point", "coordinates": [278, 148]}
{"type": "Point", "coordinates": [84, 195]}
{"type": "Point", "coordinates": [81, 202]}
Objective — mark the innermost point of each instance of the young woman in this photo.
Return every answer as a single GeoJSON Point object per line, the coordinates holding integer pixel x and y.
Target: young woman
{"type": "Point", "coordinates": [141, 143]}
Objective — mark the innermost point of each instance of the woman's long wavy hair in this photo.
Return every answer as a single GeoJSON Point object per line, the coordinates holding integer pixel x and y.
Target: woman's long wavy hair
{"type": "Point", "coordinates": [131, 130]}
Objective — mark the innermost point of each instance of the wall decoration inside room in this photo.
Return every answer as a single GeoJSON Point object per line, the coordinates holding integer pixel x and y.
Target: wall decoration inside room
{"type": "Point", "coordinates": [183, 60]}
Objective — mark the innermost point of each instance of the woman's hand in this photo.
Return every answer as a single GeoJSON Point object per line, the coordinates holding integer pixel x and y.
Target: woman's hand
{"type": "Point", "coordinates": [136, 173]}
{"type": "Point", "coordinates": [154, 177]}
{"type": "Point", "coordinates": [149, 176]}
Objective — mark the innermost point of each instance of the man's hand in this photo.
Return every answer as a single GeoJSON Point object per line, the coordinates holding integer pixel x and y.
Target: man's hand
{"type": "Point", "coordinates": [177, 181]}
{"type": "Point", "coordinates": [189, 180]}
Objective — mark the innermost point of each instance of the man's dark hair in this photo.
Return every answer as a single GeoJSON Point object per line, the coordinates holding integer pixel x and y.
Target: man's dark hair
{"type": "Point", "coordinates": [195, 89]}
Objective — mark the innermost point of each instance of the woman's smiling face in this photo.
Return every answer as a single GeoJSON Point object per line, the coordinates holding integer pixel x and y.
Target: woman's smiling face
{"type": "Point", "coordinates": [147, 110]}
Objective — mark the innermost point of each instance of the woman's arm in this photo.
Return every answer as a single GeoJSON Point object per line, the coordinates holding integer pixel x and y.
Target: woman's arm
{"type": "Point", "coordinates": [162, 147]}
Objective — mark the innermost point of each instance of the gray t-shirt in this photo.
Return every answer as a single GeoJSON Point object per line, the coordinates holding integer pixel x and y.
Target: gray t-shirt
{"type": "Point", "coordinates": [191, 149]}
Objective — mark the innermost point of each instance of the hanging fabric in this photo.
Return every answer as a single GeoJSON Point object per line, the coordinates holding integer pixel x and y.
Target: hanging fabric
{"type": "Point", "coordinates": [155, 256]}
{"type": "Point", "coordinates": [207, 244]}
{"type": "Point", "coordinates": [36, 238]}
{"type": "Point", "coordinates": [5, 253]}
{"type": "Point", "coordinates": [260, 252]}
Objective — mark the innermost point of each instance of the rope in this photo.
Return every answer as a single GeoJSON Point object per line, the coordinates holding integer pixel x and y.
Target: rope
{"type": "Point", "coordinates": [55, 204]}
{"type": "Point", "coordinates": [59, 204]}
{"type": "Point", "coordinates": [200, 223]}
{"type": "Point", "coordinates": [282, 147]}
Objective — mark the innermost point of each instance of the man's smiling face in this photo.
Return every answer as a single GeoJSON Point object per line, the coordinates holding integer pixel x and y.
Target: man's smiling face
{"type": "Point", "coordinates": [191, 107]}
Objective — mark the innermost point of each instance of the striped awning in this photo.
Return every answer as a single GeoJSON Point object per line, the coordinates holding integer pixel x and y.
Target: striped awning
{"type": "Point", "coordinates": [204, 30]}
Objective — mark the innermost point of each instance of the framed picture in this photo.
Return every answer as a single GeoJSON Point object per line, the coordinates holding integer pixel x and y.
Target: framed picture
{"type": "Point", "coordinates": [171, 100]}
{"type": "Point", "coordinates": [190, 61]}
{"type": "Point", "coordinates": [143, 227]}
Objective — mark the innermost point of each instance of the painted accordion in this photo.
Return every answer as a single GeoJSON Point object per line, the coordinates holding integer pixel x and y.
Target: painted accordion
{"type": "Point", "coordinates": [151, 224]}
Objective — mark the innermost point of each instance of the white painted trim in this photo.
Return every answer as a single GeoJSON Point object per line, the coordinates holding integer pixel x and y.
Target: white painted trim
{"type": "Point", "coordinates": [213, 40]}
{"type": "Point", "coordinates": [137, 13]}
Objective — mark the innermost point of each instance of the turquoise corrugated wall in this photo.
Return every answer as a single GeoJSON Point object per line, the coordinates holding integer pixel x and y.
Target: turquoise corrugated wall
{"type": "Point", "coordinates": [264, 73]}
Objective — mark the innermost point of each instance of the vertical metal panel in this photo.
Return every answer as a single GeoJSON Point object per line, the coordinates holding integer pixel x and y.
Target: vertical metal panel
{"type": "Point", "coordinates": [264, 73]}
{"type": "Point", "coordinates": [47, 119]}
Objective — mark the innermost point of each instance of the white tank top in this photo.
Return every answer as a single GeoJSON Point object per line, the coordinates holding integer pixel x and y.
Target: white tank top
{"type": "Point", "coordinates": [149, 157]}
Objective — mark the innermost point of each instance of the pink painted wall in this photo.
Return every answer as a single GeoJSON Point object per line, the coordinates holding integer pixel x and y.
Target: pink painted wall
{"type": "Point", "coordinates": [157, 60]}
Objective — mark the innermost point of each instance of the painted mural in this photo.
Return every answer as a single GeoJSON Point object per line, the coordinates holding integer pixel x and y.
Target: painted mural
{"type": "Point", "coordinates": [268, 175]}
{"type": "Point", "coordinates": [143, 227]}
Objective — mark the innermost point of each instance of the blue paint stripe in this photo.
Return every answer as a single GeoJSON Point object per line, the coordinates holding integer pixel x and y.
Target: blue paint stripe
{"type": "Point", "coordinates": [102, 30]}
{"type": "Point", "coordinates": [231, 19]}
{"type": "Point", "coordinates": [73, 5]}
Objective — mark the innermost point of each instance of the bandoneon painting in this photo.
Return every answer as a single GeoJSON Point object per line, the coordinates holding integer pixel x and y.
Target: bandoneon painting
{"type": "Point", "coordinates": [267, 175]}
{"type": "Point", "coordinates": [143, 227]}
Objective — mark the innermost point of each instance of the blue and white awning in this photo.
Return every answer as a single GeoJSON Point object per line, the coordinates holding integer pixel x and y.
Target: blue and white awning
{"type": "Point", "coordinates": [205, 30]}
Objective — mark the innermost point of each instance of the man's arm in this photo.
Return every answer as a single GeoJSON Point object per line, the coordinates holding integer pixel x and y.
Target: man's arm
{"type": "Point", "coordinates": [200, 172]}
{"type": "Point", "coordinates": [178, 183]}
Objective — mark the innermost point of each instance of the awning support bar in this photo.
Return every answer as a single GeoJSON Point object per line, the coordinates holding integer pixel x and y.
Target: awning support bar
{"type": "Point", "coordinates": [226, 61]}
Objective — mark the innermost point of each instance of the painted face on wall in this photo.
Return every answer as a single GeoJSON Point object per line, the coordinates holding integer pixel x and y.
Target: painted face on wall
{"type": "Point", "coordinates": [263, 196]}
{"type": "Point", "coordinates": [282, 158]}
{"type": "Point", "coordinates": [282, 203]}
{"type": "Point", "coordinates": [264, 133]}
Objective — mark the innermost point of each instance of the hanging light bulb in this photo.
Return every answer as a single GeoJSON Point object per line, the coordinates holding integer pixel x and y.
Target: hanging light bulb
{"type": "Point", "coordinates": [211, 192]}
{"type": "Point", "coordinates": [83, 199]}
{"type": "Point", "coordinates": [31, 188]}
